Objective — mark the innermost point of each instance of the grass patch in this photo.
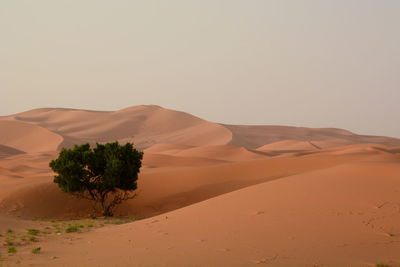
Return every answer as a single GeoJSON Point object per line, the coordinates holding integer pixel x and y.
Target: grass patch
{"type": "Point", "coordinates": [72, 229]}
{"type": "Point", "coordinates": [36, 250]}
{"type": "Point", "coordinates": [33, 231]}
{"type": "Point", "coordinates": [12, 250]}
{"type": "Point", "coordinates": [118, 221]}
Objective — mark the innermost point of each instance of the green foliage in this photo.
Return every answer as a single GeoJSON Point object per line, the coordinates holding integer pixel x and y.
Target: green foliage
{"type": "Point", "coordinates": [12, 250]}
{"type": "Point", "coordinates": [72, 229]}
{"type": "Point", "coordinates": [33, 231]}
{"type": "Point", "coordinates": [106, 174]}
{"type": "Point", "coordinates": [36, 250]}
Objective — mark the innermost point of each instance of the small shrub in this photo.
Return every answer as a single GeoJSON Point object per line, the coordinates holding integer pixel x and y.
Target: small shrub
{"type": "Point", "coordinates": [72, 229]}
{"type": "Point", "coordinates": [33, 231]}
{"type": "Point", "coordinates": [12, 250]}
{"type": "Point", "coordinates": [33, 239]}
{"type": "Point", "coordinates": [10, 231]}
{"type": "Point", "coordinates": [36, 250]}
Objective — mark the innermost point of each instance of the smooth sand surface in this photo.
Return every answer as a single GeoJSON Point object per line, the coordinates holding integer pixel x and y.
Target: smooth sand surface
{"type": "Point", "coordinates": [208, 194]}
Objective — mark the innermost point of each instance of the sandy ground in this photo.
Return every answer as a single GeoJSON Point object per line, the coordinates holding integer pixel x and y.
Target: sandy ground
{"type": "Point", "coordinates": [209, 194]}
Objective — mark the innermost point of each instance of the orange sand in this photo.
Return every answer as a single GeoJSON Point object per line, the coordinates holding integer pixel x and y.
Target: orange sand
{"type": "Point", "coordinates": [209, 194]}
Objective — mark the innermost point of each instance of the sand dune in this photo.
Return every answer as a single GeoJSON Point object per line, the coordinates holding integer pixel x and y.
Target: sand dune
{"type": "Point", "coordinates": [299, 148]}
{"type": "Point", "coordinates": [171, 183]}
{"type": "Point", "coordinates": [144, 125]}
{"type": "Point", "coordinates": [256, 136]}
{"type": "Point", "coordinates": [149, 125]}
{"type": "Point", "coordinates": [221, 152]}
{"type": "Point", "coordinates": [291, 145]}
{"type": "Point", "coordinates": [157, 161]}
{"type": "Point", "coordinates": [27, 137]}
{"type": "Point", "coordinates": [208, 194]}
{"type": "Point", "coordinates": [166, 148]}
{"type": "Point", "coordinates": [6, 151]}
{"type": "Point", "coordinates": [277, 223]}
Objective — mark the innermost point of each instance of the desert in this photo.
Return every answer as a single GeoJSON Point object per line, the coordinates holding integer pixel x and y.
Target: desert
{"type": "Point", "coordinates": [209, 194]}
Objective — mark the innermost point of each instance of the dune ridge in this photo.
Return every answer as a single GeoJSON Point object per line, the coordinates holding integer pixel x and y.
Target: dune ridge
{"type": "Point", "coordinates": [148, 125]}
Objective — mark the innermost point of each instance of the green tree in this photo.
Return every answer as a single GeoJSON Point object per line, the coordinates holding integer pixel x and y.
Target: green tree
{"type": "Point", "coordinates": [106, 174]}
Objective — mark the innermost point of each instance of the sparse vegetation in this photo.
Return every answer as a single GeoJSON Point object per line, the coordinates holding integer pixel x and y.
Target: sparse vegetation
{"type": "Point", "coordinates": [14, 240]}
{"type": "Point", "coordinates": [72, 229]}
{"type": "Point", "coordinates": [106, 174]}
{"type": "Point", "coordinates": [119, 221]}
{"type": "Point", "coordinates": [33, 231]}
{"type": "Point", "coordinates": [381, 265]}
{"type": "Point", "coordinates": [12, 250]}
{"type": "Point", "coordinates": [36, 250]}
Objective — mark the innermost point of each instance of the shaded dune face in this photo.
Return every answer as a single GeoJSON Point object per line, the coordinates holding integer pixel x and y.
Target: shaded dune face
{"type": "Point", "coordinates": [6, 151]}
{"type": "Point", "coordinates": [27, 137]}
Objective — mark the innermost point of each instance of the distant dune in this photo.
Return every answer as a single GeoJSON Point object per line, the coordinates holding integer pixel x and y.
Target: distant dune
{"type": "Point", "coordinates": [28, 137]}
{"type": "Point", "coordinates": [209, 194]}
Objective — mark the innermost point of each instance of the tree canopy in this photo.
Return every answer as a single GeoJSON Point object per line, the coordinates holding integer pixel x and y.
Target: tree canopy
{"type": "Point", "coordinates": [106, 174]}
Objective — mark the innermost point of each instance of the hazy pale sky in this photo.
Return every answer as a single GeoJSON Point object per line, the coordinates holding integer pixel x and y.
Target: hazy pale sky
{"type": "Point", "coordinates": [315, 63]}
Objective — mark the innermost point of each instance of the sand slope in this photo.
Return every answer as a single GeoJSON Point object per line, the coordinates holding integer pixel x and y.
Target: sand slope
{"type": "Point", "coordinates": [148, 125]}
{"type": "Point", "coordinates": [145, 125]}
{"type": "Point", "coordinates": [6, 151]}
{"type": "Point", "coordinates": [276, 223]}
{"type": "Point", "coordinates": [27, 137]}
{"type": "Point", "coordinates": [256, 136]}
{"type": "Point", "coordinates": [221, 152]}
{"type": "Point", "coordinates": [208, 194]}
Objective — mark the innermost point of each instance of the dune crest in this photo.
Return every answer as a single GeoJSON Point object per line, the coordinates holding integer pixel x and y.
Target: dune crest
{"type": "Point", "coordinates": [144, 125]}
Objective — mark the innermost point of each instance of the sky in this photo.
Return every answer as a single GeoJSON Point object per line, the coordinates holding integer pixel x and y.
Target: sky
{"type": "Point", "coordinates": [313, 63]}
